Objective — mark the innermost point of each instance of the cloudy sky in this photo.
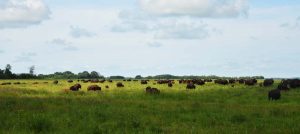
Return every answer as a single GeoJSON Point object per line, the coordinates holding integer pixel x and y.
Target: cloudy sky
{"type": "Point", "coordinates": [149, 37]}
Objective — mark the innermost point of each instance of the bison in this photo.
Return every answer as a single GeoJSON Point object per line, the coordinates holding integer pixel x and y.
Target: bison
{"type": "Point", "coordinates": [170, 84]}
{"type": "Point", "coordinates": [274, 94]}
{"type": "Point", "coordinates": [190, 86]}
{"type": "Point", "coordinates": [70, 81]}
{"type": "Point", "coordinates": [55, 82]}
{"type": "Point", "coordinates": [144, 82]}
{"type": "Point", "coordinates": [76, 87]}
{"type": "Point", "coordinates": [150, 90]}
{"type": "Point", "coordinates": [119, 84]}
{"type": "Point", "coordinates": [94, 88]}
{"type": "Point", "coordinates": [17, 83]}
{"type": "Point", "coordinates": [6, 83]}
{"type": "Point", "coordinates": [250, 82]}
{"type": "Point", "coordinates": [221, 81]}
{"type": "Point", "coordinates": [268, 82]}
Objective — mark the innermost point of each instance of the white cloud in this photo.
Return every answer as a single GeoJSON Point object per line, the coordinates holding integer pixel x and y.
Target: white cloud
{"type": "Point", "coordinates": [154, 44]}
{"type": "Point", "coordinates": [22, 13]}
{"type": "Point", "coordinates": [25, 57]}
{"type": "Point", "coordinates": [163, 27]}
{"type": "Point", "coordinates": [59, 41]}
{"type": "Point", "coordinates": [77, 32]}
{"type": "Point", "coordinates": [295, 24]}
{"type": "Point", "coordinates": [70, 48]}
{"type": "Point", "coordinates": [198, 8]}
{"type": "Point", "coordinates": [182, 29]}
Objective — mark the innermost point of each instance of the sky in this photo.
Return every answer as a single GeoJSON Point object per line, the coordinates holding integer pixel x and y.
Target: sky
{"type": "Point", "coordinates": [151, 37]}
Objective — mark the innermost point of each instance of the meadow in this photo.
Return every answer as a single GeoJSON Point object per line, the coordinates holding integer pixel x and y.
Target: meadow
{"type": "Point", "coordinates": [211, 108]}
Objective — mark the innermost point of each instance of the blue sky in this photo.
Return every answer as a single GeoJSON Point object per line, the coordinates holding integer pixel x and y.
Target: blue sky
{"type": "Point", "coordinates": [150, 37]}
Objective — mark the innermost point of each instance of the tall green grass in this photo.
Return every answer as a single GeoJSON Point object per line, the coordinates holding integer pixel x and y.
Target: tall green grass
{"type": "Point", "coordinates": [48, 108]}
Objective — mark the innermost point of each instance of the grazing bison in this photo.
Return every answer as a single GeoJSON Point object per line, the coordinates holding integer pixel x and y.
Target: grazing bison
{"type": "Point", "coordinates": [190, 86]}
{"type": "Point", "coordinates": [110, 81]}
{"type": "Point", "coordinates": [241, 81]}
{"type": "Point", "coordinates": [250, 82]}
{"type": "Point", "coordinates": [294, 83]}
{"type": "Point", "coordinates": [55, 82]}
{"type": "Point", "coordinates": [231, 81]}
{"type": "Point", "coordinates": [150, 90]}
{"type": "Point", "coordinates": [119, 84]}
{"type": "Point", "coordinates": [283, 86]}
{"type": "Point", "coordinates": [221, 81]}
{"type": "Point", "coordinates": [144, 82]}
{"type": "Point", "coordinates": [274, 94]}
{"type": "Point", "coordinates": [106, 86]}
{"type": "Point", "coordinates": [268, 82]}
{"type": "Point", "coordinates": [34, 83]}
{"type": "Point", "coordinates": [76, 87]}
{"type": "Point", "coordinates": [17, 83]}
{"type": "Point", "coordinates": [170, 84]}
{"type": "Point", "coordinates": [94, 88]}
{"type": "Point", "coordinates": [70, 81]}
{"type": "Point", "coordinates": [6, 83]}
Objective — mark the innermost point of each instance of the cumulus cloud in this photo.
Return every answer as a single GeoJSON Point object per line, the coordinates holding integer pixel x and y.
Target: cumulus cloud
{"type": "Point", "coordinates": [22, 13]}
{"type": "Point", "coordinates": [182, 29]}
{"type": "Point", "coordinates": [77, 32]}
{"type": "Point", "coordinates": [163, 28]}
{"type": "Point", "coordinates": [197, 8]}
{"type": "Point", "coordinates": [25, 57]}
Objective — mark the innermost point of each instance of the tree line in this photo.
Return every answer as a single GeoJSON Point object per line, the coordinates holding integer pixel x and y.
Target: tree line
{"type": "Point", "coordinates": [6, 73]}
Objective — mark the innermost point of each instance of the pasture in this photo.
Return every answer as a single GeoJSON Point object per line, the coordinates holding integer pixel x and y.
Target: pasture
{"type": "Point", "coordinates": [210, 108]}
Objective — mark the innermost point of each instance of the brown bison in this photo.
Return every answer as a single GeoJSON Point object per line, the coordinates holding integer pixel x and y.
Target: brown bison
{"type": "Point", "coordinates": [55, 82]}
{"type": "Point", "coordinates": [274, 94]}
{"type": "Point", "coordinates": [6, 83]}
{"type": "Point", "coordinates": [119, 84]}
{"type": "Point", "coordinates": [70, 81]}
{"type": "Point", "coordinates": [170, 84]}
{"type": "Point", "coordinates": [17, 83]}
{"type": "Point", "coordinates": [150, 90]}
{"type": "Point", "coordinates": [221, 81]}
{"type": "Point", "coordinates": [190, 86]}
{"type": "Point", "coordinates": [94, 88]}
{"type": "Point", "coordinates": [250, 82]}
{"type": "Point", "coordinates": [106, 86]}
{"type": "Point", "coordinates": [144, 82]}
{"type": "Point", "coordinates": [283, 86]}
{"type": "Point", "coordinates": [268, 82]}
{"type": "Point", "coordinates": [76, 87]}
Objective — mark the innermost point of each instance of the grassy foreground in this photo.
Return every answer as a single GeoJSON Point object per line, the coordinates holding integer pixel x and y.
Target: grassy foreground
{"type": "Point", "coordinates": [48, 108]}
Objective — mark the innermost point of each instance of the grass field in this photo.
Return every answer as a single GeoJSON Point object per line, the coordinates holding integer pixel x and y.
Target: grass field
{"type": "Point", "coordinates": [48, 108]}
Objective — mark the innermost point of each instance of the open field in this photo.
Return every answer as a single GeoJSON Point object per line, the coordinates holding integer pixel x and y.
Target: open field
{"type": "Point", "coordinates": [211, 108]}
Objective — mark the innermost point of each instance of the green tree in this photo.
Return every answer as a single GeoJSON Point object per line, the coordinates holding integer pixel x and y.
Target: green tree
{"type": "Point", "coordinates": [31, 70]}
{"type": "Point", "coordinates": [138, 77]}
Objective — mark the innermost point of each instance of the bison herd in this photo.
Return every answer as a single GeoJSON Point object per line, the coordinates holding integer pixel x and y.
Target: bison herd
{"type": "Point", "coordinates": [275, 94]}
